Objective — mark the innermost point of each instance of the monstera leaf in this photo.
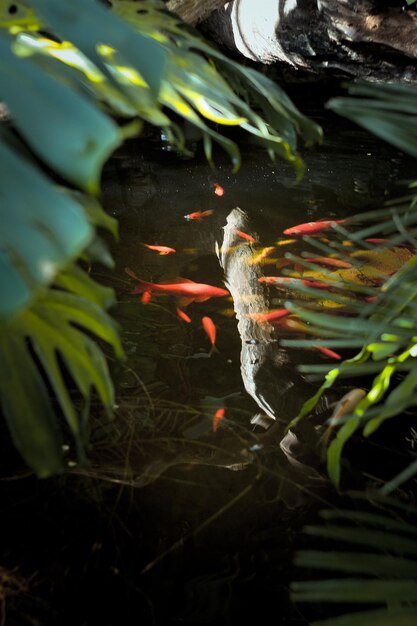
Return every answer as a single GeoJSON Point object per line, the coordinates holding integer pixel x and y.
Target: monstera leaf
{"type": "Point", "coordinates": [375, 562]}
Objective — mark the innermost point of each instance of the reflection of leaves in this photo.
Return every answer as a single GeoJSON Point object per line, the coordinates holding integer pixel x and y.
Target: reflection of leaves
{"type": "Point", "coordinates": [382, 569]}
{"type": "Point", "coordinates": [55, 332]}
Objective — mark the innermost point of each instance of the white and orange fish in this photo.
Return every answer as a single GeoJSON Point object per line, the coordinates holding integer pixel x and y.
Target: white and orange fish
{"type": "Point", "coordinates": [198, 215]}
{"type": "Point", "coordinates": [312, 228]}
{"type": "Point", "coordinates": [218, 189]}
{"type": "Point", "coordinates": [163, 250]}
{"type": "Point", "coordinates": [211, 332]}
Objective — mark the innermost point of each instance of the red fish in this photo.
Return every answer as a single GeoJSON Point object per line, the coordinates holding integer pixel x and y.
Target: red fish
{"type": "Point", "coordinates": [245, 236]}
{"type": "Point", "coordinates": [210, 330]}
{"type": "Point", "coordinates": [329, 353]}
{"type": "Point", "coordinates": [161, 249]}
{"type": "Point", "coordinates": [146, 296]}
{"type": "Point", "coordinates": [330, 262]}
{"type": "Point", "coordinates": [270, 317]}
{"type": "Point", "coordinates": [278, 281]}
{"type": "Point", "coordinates": [185, 288]}
{"type": "Point", "coordinates": [218, 416]}
{"type": "Point", "coordinates": [183, 316]}
{"type": "Point", "coordinates": [312, 228]}
{"type": "Point", "coordinates": [218, 190]}
{"type": "Point", "coordinates": [198, 215]}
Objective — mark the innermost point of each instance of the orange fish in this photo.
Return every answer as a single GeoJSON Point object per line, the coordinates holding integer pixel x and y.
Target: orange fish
{"type": "Point", "coordinates": [161, 249]}
{"type": "Point", "coordinates": [185, 288]}
{"type": "Point", "coordinates": [245, 236]}
{"type": "Point", "coordinates": [218, 416]}
{"type": "Point", "coordinates": [198, 215]}
{"type": "Point", "coordinates": [146, 296]}
{"type": "Point", "coordinates": [270, 317]}
{"type": "Point", "coordinates": [312, 228]}
{"type": "Point", "coordinates": [330, 262]}
{"type": "Point", "coordinates": [182, 315]}
{"type": "Point", "coordinates": [210, 330]}
{"type": "Point", "coordinates": [329, 353]}
{"type": "Point", "coordinates": [218, 190]}
{"type": "Point", "coordinates": [278, 281]}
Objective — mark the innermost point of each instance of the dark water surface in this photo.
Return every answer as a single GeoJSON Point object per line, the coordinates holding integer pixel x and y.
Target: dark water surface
{"type": "Point", "coordinates": [201, 544]}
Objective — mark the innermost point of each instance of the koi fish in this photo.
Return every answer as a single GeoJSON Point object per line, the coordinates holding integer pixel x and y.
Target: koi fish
{"type": "Point", "coordinates": [328, 352]}
{"type": "Point", "coordinates": [270, 317]}
{"type": "Point", "coordinates": [245, 236]}
{"type": "Point", "coordinates": [161, 249]}
{"type": "Point", "coordinates": [218, 416]}
{"type": "Point", "coordinates": [198, 215]}
{"type": "Point", "coordinates": [186, 288]}
{"type": "Point", "coordinates": [312, 228]}
{"type": "Point", "coordinates": [218, 190]}
{"type": "Point", "coordinates": [210, 330]}
{"type": "Point", "coordinates": [330, 262]}
{"type": "Point", "coordinates": [183, 316]}
{"type": "Point", "coordinates": [278, 281]}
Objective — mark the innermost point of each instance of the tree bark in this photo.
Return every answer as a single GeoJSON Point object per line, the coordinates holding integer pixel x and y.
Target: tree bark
{"type": "Point", "coordinates": [194, 11]}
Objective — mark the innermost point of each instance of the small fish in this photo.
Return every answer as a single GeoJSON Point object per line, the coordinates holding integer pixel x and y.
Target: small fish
{"type": "Point", "coordinates": [183, 316]}
{"type": "Point", "coordinates": [210, 330]}
{"type": "Point", "coordinates": [270, 317]}
{"type": "Point", "coordinates": [146, 297]}
{"type": "Point", "coordinates": [347, 404]}
{"type": "Point", "coordinates": [312, 228]}
{"type": "Point", "coordinates": [330, 353]}
{"type": "Point", "coordinates": [163, 250]}
{"type": "Point", "coordinates": [261, 257]}
{"type": "Point", "coordinates": [185, 288]}
{"type": "Point", "coordinates": [218, 416]}
{"type": "Point", "coordinates": [278, 281]}
{"type": "Point", "coordinates": [285, 242]}
{"type": "Point", "coordinates": [198, 215]}
{"type": "Point", "coordinates": [245, 236]}
{"type": "Point", "coordinates": [330, 262]}
{"type": "Point", "coordinates": [218, 189]}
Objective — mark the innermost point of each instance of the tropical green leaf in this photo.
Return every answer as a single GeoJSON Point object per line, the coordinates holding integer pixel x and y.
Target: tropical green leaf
{"type": "Point", "coordinates": [355, 590]}
{"type": "Point", "coordinates": [46, 229]}
{"type": "Point", "coordinates": [379, 617]}
{"type": "Point", "coordinates": [357, 563]}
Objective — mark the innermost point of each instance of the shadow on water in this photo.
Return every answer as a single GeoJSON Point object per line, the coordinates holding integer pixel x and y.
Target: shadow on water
{"type": "Point", "coordinates": [196, 543]}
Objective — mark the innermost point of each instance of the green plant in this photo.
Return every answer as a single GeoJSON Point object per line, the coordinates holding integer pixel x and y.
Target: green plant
{"type": "Point", "coordinates": [379, 572]}
{"type": "Point", "coordinates": [380, 321]}
{"type": "Point", "coordinates": [68, 71]}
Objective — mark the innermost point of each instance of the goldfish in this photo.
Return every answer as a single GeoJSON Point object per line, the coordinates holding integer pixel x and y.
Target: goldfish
{"type": "Point", "coordinates": [285, 242]}
{"type": "Point", "coordinates": [312, 228]}
{"type": "Point", "coordinates": [146, 296]}
{"type": "Point", "coordinates": [328, 352]}
{"type": "Point", "coordinates": [245, 236]}
{"type": "Point", "coordinates": [185, 288]}
{"type": "Point", "coordinates": [161, 249]}
{"type": "Point", "coordinates": [210, 330]}
{"type": "Point", "coordinates": [198, 215]}
{"type": "Point", "coordinates": [270, 317]}
{"type": "Point", "coordinates": [182, 315]}
{"type": "Point", "coordinates": [278, 281]}
{"type": "Point", "coordinates": [218, 416]}
{"type": "Point", "coordinates": [261, 257]}
{"type": "Point", "coordinates": [218, 190]}
{"type": "Point", "coordinates": [330, 262]}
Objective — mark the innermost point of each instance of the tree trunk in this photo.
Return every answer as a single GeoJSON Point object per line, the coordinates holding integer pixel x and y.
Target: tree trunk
{"type": "Point", "coordinates": [194, 11]}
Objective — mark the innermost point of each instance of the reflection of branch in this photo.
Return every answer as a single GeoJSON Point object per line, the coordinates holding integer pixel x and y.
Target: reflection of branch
{"type": "Point", "coordinates": [267, 373]}
{"type": "Point", "coordinates": [194, 11]}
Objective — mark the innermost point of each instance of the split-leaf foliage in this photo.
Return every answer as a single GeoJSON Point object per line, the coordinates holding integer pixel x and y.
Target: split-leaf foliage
{"type": "Point", "coordinates": [77, 79]}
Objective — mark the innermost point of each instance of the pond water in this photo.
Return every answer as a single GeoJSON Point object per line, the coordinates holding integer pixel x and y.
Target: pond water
{"type": "Point", "coordinates": [200, 543]}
